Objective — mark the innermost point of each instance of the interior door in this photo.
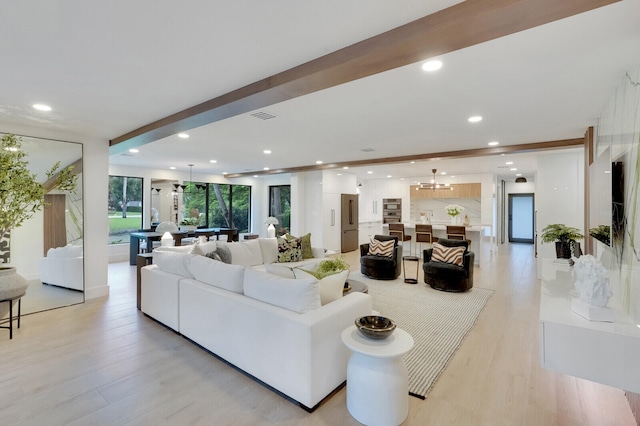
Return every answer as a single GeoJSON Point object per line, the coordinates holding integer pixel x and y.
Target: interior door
{"type": "Point", "coordinates": [521, 218]}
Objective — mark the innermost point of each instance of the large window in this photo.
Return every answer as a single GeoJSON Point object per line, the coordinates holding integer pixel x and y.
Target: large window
{"type": "Point", "coordinates": [280, 207]}
{"type": "Point", "coordinates": [219, 205]}
{"type": "Point", "coordinates": [125, 207]}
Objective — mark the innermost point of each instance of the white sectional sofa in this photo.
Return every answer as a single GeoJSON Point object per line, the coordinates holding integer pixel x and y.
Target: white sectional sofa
{"type": "Point", "coordinates": [271, 327]}
{"type": "Point", "coordinates": [63, 267]}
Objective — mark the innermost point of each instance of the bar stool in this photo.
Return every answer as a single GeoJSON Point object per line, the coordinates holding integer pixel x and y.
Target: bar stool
{"type": "Point", "coordinates": [457, 233]}
{"type": "Point", "coordinates": [424, 234]}
{"type": "Point", "coordinates": [397, 230]}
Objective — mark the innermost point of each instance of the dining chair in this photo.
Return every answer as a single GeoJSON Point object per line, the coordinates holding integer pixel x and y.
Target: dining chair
{"type": "Point", "coordinates": [397, 230]}
{"type": "Point", "coordinates": [457, 233]}
{"type": "Point", "coordinates": [424, 234]}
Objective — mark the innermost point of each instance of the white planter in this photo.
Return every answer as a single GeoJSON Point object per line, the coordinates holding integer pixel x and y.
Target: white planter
{"type": "Point", "coordinates": [11, 285]}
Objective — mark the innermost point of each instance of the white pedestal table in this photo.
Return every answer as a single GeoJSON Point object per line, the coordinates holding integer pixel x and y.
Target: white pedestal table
{"type": "Point", "coordinates": [377, 379]}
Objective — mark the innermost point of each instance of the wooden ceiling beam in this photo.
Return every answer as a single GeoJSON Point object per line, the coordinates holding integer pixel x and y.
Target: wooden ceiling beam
{"type": "Point", "coordinates": [463, 25]}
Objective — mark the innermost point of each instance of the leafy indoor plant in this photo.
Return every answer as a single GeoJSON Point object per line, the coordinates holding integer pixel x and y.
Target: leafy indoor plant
{"type": "Point", "coordinates": [21, 197]}
{"type": "Point", "coordinates": [565, 238]}
{"type": "Point", "coordinates": [328, 267]}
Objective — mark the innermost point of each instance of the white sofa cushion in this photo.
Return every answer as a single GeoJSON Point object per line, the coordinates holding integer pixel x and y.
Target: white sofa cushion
{"type": "Point", "coordinates": [279, 270]}
{"type": "Point", "coordinates": [300, 296]}
{"type": "Point", "coordinates": [67, 251]}
{"type": "Point", "coordinates": [173, 263]}
{"type": "Point", "coordinates": [269, 247]}
{"type": "Point", "coordinates": [216, 273]}
{"type": "Point", "coordinates": [246, 253]}
{"type": "Point", "coordinates": [175, 249]}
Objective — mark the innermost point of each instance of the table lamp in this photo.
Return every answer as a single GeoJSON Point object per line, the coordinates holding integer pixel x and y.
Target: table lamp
{"type": "Point", "coordinates": [271, 230]}
{"type": "Point", "coordinates": [167, 239]}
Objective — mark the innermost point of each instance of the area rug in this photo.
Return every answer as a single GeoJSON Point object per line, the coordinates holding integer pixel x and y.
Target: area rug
{"type": "Point", "coordinates": [438, 322]}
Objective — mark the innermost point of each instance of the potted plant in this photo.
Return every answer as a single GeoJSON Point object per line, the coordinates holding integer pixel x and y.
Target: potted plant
{"type": "Point", "coordinates": [330, 266]}
{"type": "Point", "coordinates": [189, 223]}
{"type": "Point", "coordinates": [602, 233]}
{"type": "Point", "coordinates": [22, 196]}
{"type": "Point", "coordinates": [565, 238]}
{"type": "Point", "coordinates": [332, 276]}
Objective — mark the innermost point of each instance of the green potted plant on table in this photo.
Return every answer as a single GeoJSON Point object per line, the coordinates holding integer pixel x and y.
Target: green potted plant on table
{"type": "Point", "coordinates": [602, 233]}
{"type": "Point", "coordinates": [565, 238]}
{"type": "Point", "coordinates": [189, 223]}
{"type": "Point", "coordinates": [332, 275]}
{"type": "Point", "coordinates": [22, 196]}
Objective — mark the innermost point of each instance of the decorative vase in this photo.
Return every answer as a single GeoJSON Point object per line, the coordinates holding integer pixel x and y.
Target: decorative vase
{"type": "Point", "coordinates": [423, 219]}
{"type": "Point", "coordinates": [454, 220]}
{"type": "Point", "coordinates": [563, 250]}
{"type": "Point", "coordinates": [11, 285]}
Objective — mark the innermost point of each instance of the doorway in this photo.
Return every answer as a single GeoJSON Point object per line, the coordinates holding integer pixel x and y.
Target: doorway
{"type": "Point", "coordinates": [521, 218]}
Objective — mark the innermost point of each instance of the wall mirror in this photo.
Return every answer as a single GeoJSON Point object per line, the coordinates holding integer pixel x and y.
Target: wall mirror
{"type": "Point", "coordinates": [164, 201]}
{"type": "Point", "coordinates": [57, 228]}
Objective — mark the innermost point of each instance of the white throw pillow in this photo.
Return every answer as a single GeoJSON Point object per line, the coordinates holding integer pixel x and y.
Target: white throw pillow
{"type": "Point", "coordinates": [269, 247]}
{"type": "Point", "coordinates": [204, 248]}
{"type": "Point", "coordinates": [331, 286]}
{"type": "Point", "coordinates": [246, 253]}
{"type": "Point", "coordinates": [173, 263]}
{"type": "Point", "coordinates": [279, 270]}
{"type": "Point", "coordinates": [217, 274]}
{"type": "Point", "coordinates": [300, 296]}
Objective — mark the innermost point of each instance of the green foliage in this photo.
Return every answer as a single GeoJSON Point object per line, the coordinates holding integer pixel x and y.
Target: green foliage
{"type": "Point", "coordinates": [560, 233]}
{"type": "Point", "coordinates": [190, 221]}
{"type": "Point", "coordinates": [601, 233]}
{"type": "Point", "coordinates": [329, 267]}
{"type": "Point", "coordinates": [21, 195]}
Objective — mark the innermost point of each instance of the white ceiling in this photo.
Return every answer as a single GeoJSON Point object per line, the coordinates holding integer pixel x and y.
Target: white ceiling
{"type": "Point", "coordinates": [109, 68]}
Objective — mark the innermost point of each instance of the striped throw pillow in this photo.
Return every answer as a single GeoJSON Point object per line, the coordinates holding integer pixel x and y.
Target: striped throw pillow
{"type": "Point", "coordinates": [381, 248]}
{"type": "Point", "coordinates": [447, 254]}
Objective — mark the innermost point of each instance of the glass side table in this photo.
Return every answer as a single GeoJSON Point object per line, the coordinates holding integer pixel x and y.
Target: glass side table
{"type": "Point", "coordinates": [410, 259]}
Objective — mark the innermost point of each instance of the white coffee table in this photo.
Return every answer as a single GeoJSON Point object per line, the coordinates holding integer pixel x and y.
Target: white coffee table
{"type": "Point", "coordinates": [377, 379]}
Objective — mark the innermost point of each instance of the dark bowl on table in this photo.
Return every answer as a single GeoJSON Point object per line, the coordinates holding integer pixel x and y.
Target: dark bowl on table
{"type": "Point", "coordinates": [375, 327]}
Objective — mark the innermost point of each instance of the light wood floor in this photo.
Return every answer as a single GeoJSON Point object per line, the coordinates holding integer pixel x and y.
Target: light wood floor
{"type": "Point", "coordinates": [104, 363]}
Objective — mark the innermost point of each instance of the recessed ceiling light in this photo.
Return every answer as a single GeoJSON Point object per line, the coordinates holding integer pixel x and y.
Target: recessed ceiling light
{"type": "Point", "coordinates": [338, 174]}
{"type": "Point", "coordinates": [213, 161]}
{"type": "Point", "coordinates": [224, 173]}
{"type": "Point", "coordinates": [412, 162]}
{"type": "Point", "coordinates": [370, 172]}
{"type": "Point", "coordinates": [266, 168]}
{"type": "Point", "coordinates": [42, 107]}
{"type": "Point", "coordinates": [319, 162]}
{"type": "Point", "coordinates": [452, 176]}
{"type": "Point", "coordinates": [607, 171]}
{"type": "Point", "coordinates": [518, 174]}
{"type": "Point", "coordinates": [389, 176]}
{"type": "Point", "coordinates": [172, 168]}
{"type": "Point", "coordinates": [475, 119]}
{"type": "Point", "coordinates": [134, 151]}
{"type": "Point", "coordinates": [255, 176]}
{"type": "Point", "coordinates": [513, 169]}
{"type": "Point", "coordinates": [183, 135]}
{"type": "Point", "coordinates": [267, 151]}
{"type": "Point", "coordinates": [494, 143]}
{"type": "Point", "coordinates": [432, 65]}
{"type": "Point", "coordinates": [443, 173]}
{"type": "Point", "coordinates": [345, 168]}
{"type": "Point", "coordinates": [508, 163]}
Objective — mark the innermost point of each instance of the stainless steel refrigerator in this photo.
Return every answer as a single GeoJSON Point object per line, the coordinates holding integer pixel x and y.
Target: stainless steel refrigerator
{"type": "Point", "coordinates": [349, 223]}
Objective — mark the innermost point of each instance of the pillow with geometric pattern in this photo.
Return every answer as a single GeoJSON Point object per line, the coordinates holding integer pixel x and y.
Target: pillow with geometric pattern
{"type": "Point", "coordinates": [289, 250]}
{"type": "Point", "coordinates": [444, 254]}
{"type": "Point", "coordinates": [381, 248]}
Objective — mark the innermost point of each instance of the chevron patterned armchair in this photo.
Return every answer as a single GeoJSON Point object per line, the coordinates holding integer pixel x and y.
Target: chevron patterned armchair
{"type": "Point", "coordinates": [449, 276]}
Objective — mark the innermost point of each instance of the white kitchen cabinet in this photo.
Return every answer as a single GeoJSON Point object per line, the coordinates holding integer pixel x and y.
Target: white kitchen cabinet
{"type": "Point", "coordinates": [331, 221]}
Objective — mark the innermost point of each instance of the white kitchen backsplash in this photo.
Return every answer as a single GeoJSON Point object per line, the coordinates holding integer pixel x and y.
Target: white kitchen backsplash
{"type": "Point", "coordinates": [435, 207]}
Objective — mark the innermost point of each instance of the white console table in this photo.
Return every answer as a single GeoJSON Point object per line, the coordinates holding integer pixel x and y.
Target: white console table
{"type": "Point", "coordinates": [603, 352]}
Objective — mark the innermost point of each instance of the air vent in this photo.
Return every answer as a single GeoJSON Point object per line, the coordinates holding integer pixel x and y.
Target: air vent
{"type": "Point", "coordinates": [367, 150]}
{"type": "Point", "coordinates": [504, 167]}
{"type": "Point", "coordinates": [263, 115]}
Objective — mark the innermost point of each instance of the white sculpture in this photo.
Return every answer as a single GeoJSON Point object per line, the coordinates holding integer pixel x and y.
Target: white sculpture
{"type": "Point", "coordinates": [592, 282]}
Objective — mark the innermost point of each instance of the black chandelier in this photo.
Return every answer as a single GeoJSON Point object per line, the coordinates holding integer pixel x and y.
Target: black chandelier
{"type": "Point", "coordinates": [183, 187]}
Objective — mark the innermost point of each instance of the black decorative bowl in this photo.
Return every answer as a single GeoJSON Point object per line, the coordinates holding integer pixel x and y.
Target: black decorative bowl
{"type": "Point", "coordinates": [375, 327]}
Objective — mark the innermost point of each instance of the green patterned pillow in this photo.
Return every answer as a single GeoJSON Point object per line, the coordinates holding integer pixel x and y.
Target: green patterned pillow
{"type": "Point", "coordinates": [289, 250]}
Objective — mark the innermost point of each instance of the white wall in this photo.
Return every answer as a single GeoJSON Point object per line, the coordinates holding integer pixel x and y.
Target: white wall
{"type": "Point", "coordinates": [559, 195]}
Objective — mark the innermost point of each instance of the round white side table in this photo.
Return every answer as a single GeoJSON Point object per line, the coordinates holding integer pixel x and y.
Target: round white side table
{"type": "Point", "coordinates": [377, 379]}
